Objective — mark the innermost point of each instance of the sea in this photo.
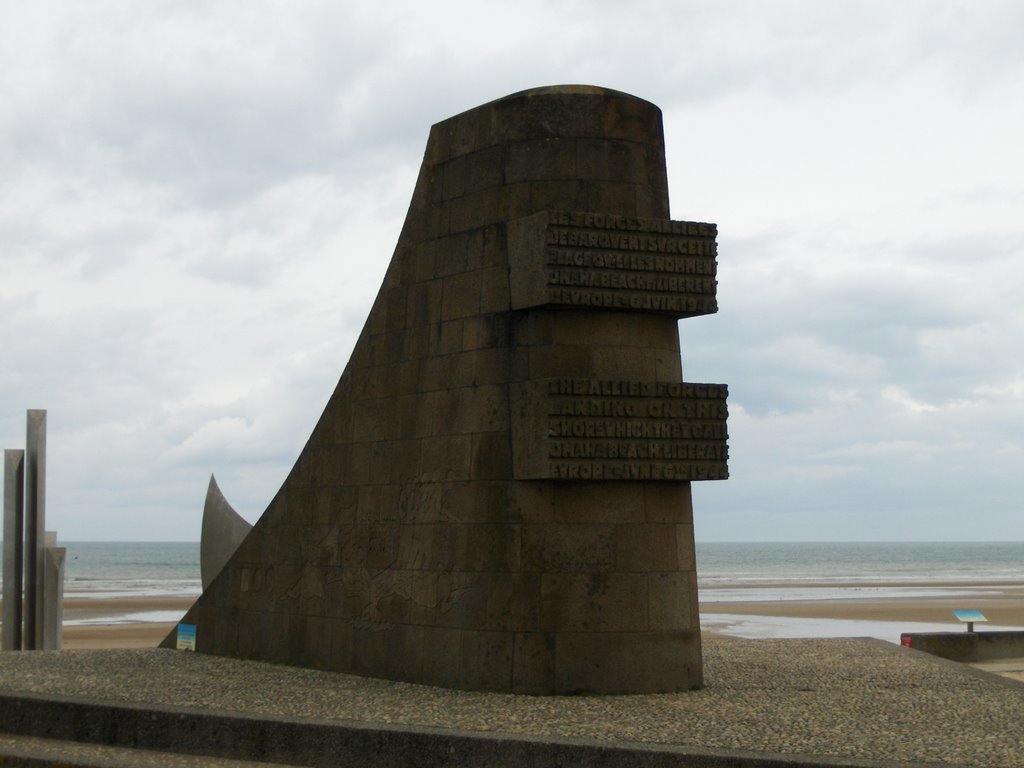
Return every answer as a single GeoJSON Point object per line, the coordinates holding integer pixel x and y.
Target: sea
{"type": "Point", "coordinates": [851, 565]}
{"type": "Point", "coordinates": [96, 570]}
{"type": "Point", "coordinates": [962, 572]}
{"type": "Point", "coordinates": [726, 572]}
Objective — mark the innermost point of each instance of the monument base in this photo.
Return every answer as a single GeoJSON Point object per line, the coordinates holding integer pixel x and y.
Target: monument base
{"type": "Point", "coordinates": [768, 703]}
{"type": "Point", "coordinates": [968, 647]}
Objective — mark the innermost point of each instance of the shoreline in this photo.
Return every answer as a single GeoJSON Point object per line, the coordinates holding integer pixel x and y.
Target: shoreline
{"type": "Point", "coordinates": [101, 621]}
{"type": "Point", "coordinates": [1002, 603]}
{"type": "Point", "coordinates": [115, 636]}
{"type": "Point", "coordinates": [1015, 584]}
{"type": "Point", "coordinates": [932, 611]}
{"type": "Point", "coordinates": [106, 623]}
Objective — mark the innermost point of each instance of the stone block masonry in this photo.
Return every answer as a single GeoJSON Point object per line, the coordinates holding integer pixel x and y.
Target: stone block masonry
{"type": "Point", "coordinates": [497, 495]}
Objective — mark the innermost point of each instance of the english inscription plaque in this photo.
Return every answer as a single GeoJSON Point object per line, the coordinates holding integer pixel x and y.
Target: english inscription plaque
{"type": "Point", "coordinates": [585, 429]}
{"type": "Point", "coordinates": [603, 261]}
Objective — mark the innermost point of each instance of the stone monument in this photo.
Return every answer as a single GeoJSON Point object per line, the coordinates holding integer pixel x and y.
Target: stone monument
{"type": "Point", "coordinates": [497, 495]}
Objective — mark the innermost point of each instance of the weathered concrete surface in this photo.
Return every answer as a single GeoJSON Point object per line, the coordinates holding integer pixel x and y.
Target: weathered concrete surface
{"type": "Point", "coordinates": [33, 752]}
{"type": "Point", "coordinates": [53, 590]}
{"type": "Point", "coordinates": [33, 569]}
{"type": "Point", "coordinates": [14, 547]}
{"type": "Point", "coordinates": [497, 495]}
{"type": "Point", "coordinates": [766, 703]}
{"type": "Point", "coordinates": [35, 530]}
{"type": "Point", "coordinates": [968, 646]}
{"type": "Point", "coordinates": [223, 532]}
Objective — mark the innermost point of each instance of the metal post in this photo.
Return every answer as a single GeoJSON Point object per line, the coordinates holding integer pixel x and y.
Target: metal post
{"type": "Point", "coordinates": [35, 528]}
{"type": "Point", "coordinates": [53, 604]}
{"type": "Point", "coordinates": [14, 525]}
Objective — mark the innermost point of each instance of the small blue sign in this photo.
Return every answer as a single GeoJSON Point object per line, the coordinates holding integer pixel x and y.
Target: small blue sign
{"type": "Point", "coordinates": [186, 637]}
{"type": "Point", "coordinates": [969, 616]}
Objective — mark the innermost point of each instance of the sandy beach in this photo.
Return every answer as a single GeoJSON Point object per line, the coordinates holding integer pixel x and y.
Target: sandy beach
{"type": "Point", "coordinates": [1001, 603]}
{"type": "Point", "coordinates": [110, 623]}
{"type": "Point", "coordinates": [908, 607]}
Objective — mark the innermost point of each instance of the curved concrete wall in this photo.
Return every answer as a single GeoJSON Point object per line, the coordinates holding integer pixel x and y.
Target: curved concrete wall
{"type": "Point", "coordinates": [223, 532]}
{"type": "Point", "coordinates": [436, 528]}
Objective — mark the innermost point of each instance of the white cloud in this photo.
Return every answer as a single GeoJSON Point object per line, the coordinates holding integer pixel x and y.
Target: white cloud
{"type": "Point", "coordinates": [904, 400]}
{"type": "Point", "coordinates": [197, 204]}
{"type": "Point", "coordinates": [1013, 390]}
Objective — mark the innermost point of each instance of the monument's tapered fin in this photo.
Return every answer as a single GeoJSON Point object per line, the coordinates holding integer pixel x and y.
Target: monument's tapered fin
{"type": "Point", "coordinates": [223, 531]}
{"type": "Point", "coordinates": [497, 494]}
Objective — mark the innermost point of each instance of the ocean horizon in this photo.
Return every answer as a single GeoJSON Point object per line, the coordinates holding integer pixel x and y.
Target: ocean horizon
{"type": "Point", "coordinates": [727, 572]}
{"type": "Point", "coordinates": [173, 567]}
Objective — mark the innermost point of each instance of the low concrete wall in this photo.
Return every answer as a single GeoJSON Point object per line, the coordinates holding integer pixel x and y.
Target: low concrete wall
{"type": "Point", "coordinates": [341, 744]}
{"type": "Point", "coordinates": [967, 646]}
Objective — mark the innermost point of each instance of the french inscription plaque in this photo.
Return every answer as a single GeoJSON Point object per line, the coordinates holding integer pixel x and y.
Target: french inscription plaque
{"type": "Point", "coordinates": [585, 429]}
{"type": "Point", "coordinates": [603, 261]}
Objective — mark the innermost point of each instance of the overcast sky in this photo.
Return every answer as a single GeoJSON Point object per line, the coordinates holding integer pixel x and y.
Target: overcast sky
{"type": "Point", "coordinates": [198, 202]}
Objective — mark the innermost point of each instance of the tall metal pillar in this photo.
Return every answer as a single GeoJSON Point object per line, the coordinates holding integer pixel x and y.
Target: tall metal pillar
{"type": "Point", "coordinates": [14, 532]}
{"type": "Point", "coordinates": [35, 529]}
{"type": "Point", "coordinates": [53, 604]}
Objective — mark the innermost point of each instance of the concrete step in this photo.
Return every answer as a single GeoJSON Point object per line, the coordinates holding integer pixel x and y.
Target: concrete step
{"type": "Point", "coordinates": [77, 733]}
{"type": "Point", "coordinates": [35, 752]}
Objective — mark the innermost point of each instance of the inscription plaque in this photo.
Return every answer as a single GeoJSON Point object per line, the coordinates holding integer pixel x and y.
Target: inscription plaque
{"type": "Point", "coordinates": [600, 261]}
{"type": "Point", "coordinates": [583, 429]}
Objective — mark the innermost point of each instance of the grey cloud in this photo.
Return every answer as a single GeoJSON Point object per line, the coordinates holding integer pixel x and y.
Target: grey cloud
{"type": "Point", "coordinates": [197, 205]}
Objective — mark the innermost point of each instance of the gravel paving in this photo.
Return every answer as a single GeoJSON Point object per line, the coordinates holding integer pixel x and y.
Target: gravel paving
{"type": "Point", "coordinates": [848, 698]}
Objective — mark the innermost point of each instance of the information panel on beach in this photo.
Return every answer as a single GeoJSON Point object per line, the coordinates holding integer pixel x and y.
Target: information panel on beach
{"type": "Point", "coordinates": [186, 637]}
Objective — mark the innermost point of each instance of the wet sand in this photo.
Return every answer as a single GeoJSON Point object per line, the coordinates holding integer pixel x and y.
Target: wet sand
{"type": "Point", "coordinates": [108, 631]}
{"type": "Point", "coordinates": [116, 636]}
{"type": "Point", "coordinates": [1000, 603]}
